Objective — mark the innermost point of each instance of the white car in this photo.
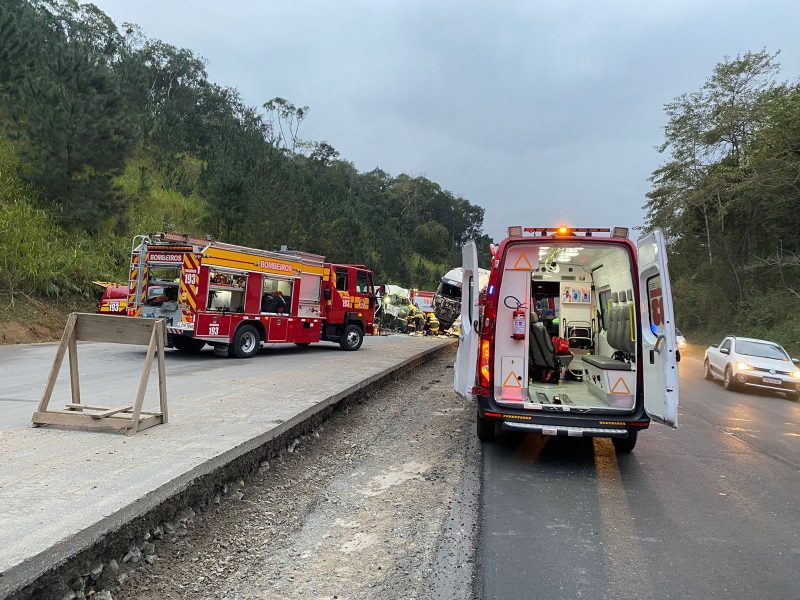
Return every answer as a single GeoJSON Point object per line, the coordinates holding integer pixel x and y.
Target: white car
{"type": "Point", "coordinates": [746, 362]}
{"type": "Point", "coordinates": [679, 337]}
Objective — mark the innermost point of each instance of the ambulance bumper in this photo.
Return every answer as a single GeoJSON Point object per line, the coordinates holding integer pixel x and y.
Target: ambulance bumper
{"type": "Point", "coordinates": [565, 430]}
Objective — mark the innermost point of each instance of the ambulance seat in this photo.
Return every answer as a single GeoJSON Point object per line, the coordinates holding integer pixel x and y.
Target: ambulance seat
{"type": "Point", "coordinates": [616, 335]}
{"type": "Point", "coordinates": [545, 365]}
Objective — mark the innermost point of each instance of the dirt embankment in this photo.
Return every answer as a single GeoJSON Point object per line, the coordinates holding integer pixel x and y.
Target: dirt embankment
{"type": "Point", "coordinates": [373, 505]}
{"type": "Point", "coordinates": [25, 320]}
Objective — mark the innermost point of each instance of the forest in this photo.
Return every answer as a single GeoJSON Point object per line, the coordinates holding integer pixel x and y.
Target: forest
{"type": "Point", "coordinates": [106, 133]}
{"type": "Point", "coordinates": [728, 196]}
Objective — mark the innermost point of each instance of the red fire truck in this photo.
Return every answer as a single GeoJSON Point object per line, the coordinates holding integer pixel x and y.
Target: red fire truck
{"type": "Point", "coordinates": [237, 299]}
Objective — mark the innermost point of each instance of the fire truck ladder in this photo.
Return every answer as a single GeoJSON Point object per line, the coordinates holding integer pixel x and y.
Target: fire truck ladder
{"type": "Point", "coordinates": [137, 291]}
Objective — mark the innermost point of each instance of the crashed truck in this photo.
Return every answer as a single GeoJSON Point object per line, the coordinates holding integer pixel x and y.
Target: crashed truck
{"type": "Point", "coordinates": [447, 300]}
{"type": "Point", "coordinates": [393, 303]}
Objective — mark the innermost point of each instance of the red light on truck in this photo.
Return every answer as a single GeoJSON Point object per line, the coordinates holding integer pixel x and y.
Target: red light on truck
{"type": "Point", "coordinates": [563, 230]}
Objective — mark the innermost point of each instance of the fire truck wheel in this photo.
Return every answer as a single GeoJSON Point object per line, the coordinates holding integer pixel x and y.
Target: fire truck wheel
{"type": "Point", "coordinates": [302, 344]}
{"type": "Point", "coordinates": [352, 338]}
{"type": "Point", "coordinates": [246, 341]}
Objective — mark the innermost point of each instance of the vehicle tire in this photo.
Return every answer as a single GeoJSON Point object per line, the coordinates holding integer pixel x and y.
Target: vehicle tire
{"type": "Point", "coordinates": [727, 380]}
{"type": "Point", "coordinates": [487, 429]}
{"type": "Point", "coordinates": [302, 344]}
{"type": "Point", "coordinates": [246, 341]}
{"type": "Point", "coordinates": [187, 344]}
{"type": "Point", "coordinates": [352, 338]}
{"type": "Point", "coordinates": [625, 445]}
{"type": "Point", "coordinates": [707, 371]}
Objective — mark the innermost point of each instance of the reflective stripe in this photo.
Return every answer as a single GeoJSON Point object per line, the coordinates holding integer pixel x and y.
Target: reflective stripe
{"type": "Point", "coordinates": [566, 430]}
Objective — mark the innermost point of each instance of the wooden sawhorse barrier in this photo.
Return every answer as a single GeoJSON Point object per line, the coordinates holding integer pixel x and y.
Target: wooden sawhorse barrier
{"type": "Point", "coordinates": [117, 330]}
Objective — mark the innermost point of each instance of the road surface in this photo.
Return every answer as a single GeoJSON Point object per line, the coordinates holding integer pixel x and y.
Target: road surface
{"type": "Point", "coordinates": [710, 510]}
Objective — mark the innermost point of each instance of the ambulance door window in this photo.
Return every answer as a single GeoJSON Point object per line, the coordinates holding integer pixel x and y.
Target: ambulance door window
{"type": "Point", "coordinates": [602, 308]}
{"type": "Point", "coordinates": [471, 299]}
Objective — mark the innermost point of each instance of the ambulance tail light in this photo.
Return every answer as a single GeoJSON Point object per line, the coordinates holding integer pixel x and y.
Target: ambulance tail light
{"type": "Point", "coordinates": [485, 363]}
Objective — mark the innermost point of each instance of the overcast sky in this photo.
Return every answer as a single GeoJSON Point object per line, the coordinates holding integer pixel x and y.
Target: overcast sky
{"type": "Point", "coordinates": [541, 112]}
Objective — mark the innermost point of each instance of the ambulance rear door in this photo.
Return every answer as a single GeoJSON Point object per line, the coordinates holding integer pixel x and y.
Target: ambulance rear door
{"type": "Point", "coordinates": [467, 355]}
{"type": "Point", "coordinates": [659, 360]}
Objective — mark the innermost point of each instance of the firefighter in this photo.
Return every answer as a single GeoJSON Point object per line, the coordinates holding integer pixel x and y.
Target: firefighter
{"type": "Point", "coordinates": [416, 318]}
{"type": "Point", "coordinates": [432, 324]}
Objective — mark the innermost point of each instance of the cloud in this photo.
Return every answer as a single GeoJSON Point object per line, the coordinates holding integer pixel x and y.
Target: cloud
{"type": "Point", "coordinates": [540, 112]}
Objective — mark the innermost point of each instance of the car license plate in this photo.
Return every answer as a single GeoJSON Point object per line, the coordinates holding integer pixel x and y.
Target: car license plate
{"type": "Point", "coordinates": [772, 381]}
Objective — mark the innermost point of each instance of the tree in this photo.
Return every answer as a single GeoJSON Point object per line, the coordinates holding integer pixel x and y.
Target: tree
{"type": "Point", "coordinates": [729, 196]}
{"type": "Point", "coordinates": [75, 133]}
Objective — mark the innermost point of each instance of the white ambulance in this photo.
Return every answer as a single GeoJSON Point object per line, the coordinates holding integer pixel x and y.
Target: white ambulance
{"type": "Point", "coordinates": [574, 335]}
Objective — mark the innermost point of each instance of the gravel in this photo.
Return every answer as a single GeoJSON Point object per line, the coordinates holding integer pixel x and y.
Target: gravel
{"type": "Point", "coordinates": [361, 508]}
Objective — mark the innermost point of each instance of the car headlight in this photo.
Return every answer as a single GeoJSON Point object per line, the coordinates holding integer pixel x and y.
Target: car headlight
{"type": "Point", "coordinates": [743, 366]}
{"type": "Point", "coordinates": [682, 343]}
{"type": "Point", "coordinates": [796, 374]}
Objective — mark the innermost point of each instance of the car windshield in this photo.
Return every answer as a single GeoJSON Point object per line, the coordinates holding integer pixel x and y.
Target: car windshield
{"type": "Point", "coordinates": [678, 332]}
{"type": "Point", "coordinates": [761, 350]}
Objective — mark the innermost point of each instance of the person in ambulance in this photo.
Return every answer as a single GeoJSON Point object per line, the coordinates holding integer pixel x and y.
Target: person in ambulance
{"type": "Point", "coordinates": [610, 311]}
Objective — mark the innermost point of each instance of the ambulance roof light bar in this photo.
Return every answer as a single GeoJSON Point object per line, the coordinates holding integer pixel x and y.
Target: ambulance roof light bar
{"type": "Point", "coordinates": [565, 231]}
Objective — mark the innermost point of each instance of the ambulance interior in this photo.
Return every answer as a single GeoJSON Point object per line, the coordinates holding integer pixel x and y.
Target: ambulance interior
{"type": "Point", "coordinates": [579, 346]}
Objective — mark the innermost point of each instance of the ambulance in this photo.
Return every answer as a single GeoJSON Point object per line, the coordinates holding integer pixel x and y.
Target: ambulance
{"type": "Point", "coordinates": [574, 335]}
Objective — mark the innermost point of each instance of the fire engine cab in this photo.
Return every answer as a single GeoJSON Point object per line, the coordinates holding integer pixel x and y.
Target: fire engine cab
{"type": "Point", "coordinates": [238, 299]}
{"type": "Point", "coordinates": [574, 335]}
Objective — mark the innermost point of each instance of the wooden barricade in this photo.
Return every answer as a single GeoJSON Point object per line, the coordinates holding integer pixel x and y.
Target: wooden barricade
{"type": "Point", "coordinates": [118, 330]}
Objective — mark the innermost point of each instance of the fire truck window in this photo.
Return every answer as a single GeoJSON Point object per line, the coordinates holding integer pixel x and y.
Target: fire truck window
{"type": "Point", "coordinates": [226, 291]}
{"type": "Point", "coordinates": [361, 282]}
{"type": "Point", "coordinates": [162, 285]}
{"type": "Point", "coordinates": [341, 280]}
{"type": "Point", "coordinates": [276, 295]}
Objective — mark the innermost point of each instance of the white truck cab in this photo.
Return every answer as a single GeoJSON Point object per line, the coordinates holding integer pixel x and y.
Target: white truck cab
{"type": "Point", "coordinates": [574, 335]}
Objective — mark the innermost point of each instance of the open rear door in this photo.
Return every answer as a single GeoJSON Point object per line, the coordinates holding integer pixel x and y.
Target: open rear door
{"type": "Point", "coordinates": [659, 360]}
{"type": "Point", "coordinates": [467, 356]}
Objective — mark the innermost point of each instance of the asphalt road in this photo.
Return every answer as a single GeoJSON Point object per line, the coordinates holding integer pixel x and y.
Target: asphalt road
{"type": "Point", "coordinates": [710, 510]}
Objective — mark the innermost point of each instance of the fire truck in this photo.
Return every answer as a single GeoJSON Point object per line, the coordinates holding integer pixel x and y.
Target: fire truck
{"type": "Point", "coordinates": [238, 299]}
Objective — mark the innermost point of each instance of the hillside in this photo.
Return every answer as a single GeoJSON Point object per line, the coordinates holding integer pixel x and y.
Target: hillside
{"type": "Point", "coordinates": [107, 133]}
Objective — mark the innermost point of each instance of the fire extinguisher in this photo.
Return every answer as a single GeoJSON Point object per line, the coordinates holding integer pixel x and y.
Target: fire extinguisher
{"type": "Point", "coordinates": [519, 327]}
{"type": "Point", "coordinates": [518, 331]}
